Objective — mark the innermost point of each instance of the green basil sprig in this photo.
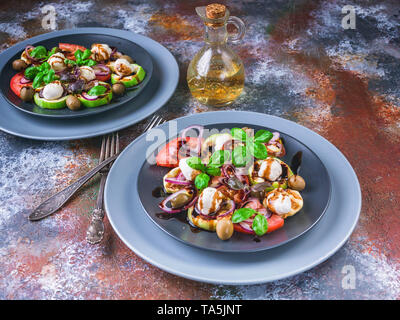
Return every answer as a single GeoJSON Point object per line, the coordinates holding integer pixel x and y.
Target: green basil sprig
{"type": "Point", "coordinates": [254, 146]}
{"type": "Point", "coordinates": [38, 52]}
{"type": "Point", "coordinates": [242, 214]}
{"type": "Point", "coordinates": [40, 74]}
{"type": "Point", "coordinates": [82, 58]}
{"type": "Point", "coordinates": [201, 181]}
{"type": "Point", "coordinates": [260, 223]}
{"type": "Point", "coordinates": [97, 91]}
{"type": "Point", "coordinates": [218, 158]}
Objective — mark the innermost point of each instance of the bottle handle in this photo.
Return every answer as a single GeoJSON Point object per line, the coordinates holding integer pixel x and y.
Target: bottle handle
{"type": "Point", "coordinates": [240, 26]}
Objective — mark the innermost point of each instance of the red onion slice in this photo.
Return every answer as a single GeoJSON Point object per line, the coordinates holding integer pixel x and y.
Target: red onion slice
{"type": "Point", "coordinates": [246, 226]}
{"type": "Point", "coordinates": [101, 70]}
{"type": "Point", "coordinates": [275, 137]}
{"type": "Point", "coordinates": [24, 80]}
{"type": "Point", "coordinates": [89, 97]}
{"type": "Point", "coordinates": [233, 206]}
{"type": "Point", "coordinates": [178, 182]}
{"type": "Point", "coordinates": [27, 48]}
{"type": "Point", "coordinates": [201, 131]}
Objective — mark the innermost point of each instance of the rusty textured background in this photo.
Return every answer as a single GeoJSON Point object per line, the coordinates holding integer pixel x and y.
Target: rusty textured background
{"type": "Point", "coordinates": [300, 64]}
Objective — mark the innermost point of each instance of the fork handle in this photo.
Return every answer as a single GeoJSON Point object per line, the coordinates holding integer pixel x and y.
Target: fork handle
{"type": "Point", "coordinates": [95, 231]}
{"type": "Point", "coordinates": [56, 201]}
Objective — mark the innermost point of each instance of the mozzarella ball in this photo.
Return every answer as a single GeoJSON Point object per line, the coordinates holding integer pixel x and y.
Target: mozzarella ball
{"type": "Point", "coordinates": [56, 62]}
{"type": "Point", "coordinates": [210, 200]}
{"type": "Point", "coordinates": [53, 91]}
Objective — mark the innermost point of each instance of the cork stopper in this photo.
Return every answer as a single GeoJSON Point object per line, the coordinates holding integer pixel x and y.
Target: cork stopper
{"type": "Point", "coordinates": [215, 11]}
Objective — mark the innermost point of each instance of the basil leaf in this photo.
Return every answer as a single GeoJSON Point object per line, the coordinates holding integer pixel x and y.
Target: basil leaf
{"type": "Point", "coordinates": [239, 156]}
{"type": "Point", "coordinates": [90, 63]}
{"type": "Point", "coordinates": [219, 157]}
{"type": "Point", "coordinates": [239, 134]}
{"type": "Point", "coordinates": [260, 225]}
{"type": "Point", "coordinates": [31, 72]}
{"type": "Point", "coordinates": [195, 163]}
{"type": "Point", "coordinates": [44, 66]}
{"type": "Point", "coordinates": [49, 77]}
{"type": "Point", "coordinates": [242, 214]}
{"type": "Point", "coordinates": [97, 90]}
{"type": "Point", "coordinates": [38, 80]}
{"type": "Point", "coordinates": [39, 52]}
{"type": "Point", "coordinates": [70, 62]}
{"type": "Point", "coordinates": [258, 150]}
{"type": "Point", "coordinates": [78, 55]}
{"type": "Point", "coordinates": [263, 136]}
{"type": "Point", "coordinates": [51, 52]}
{"type": "Point", "coordinates": [201, 181]}
{"type": "Point", "coordinates": [86, 54]}
{"type": "Point", "coordinates": [213, 171]}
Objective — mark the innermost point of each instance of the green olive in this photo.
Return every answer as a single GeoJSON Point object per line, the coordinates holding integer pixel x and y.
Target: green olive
{"type": "Point", "coordinates": [118, 88]}
{"type": "Point", "coordinates": [27, 93]}
{"type": "Point", "coordinates": [296, 182]}
{"type": "Point", "coordinates": [180, 200]}
{"type": "Point", "coordinates": [128, 58]}
{"type": "Point", "coordinates": [73, 103]}
{"type": "Point", "coordinates": [224, 229]}
{"type": "Point", "coordinates": [19, 65]}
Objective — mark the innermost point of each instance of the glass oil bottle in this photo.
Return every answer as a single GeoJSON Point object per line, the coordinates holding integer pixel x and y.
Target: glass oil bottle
{"type": "Point", "coordinates": [216, 74]}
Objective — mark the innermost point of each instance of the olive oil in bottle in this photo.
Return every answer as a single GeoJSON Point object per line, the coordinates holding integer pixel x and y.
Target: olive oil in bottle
{"type": "Point", "coordinates": [216, 74]}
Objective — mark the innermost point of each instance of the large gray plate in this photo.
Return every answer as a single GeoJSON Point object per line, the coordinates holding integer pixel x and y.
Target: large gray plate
{"type": "Point", "coordinates": [157, 92]}
{"type": "Point", "coordinates": [140, 234]}
{"type": "Point", "coordinates": [316, 199]}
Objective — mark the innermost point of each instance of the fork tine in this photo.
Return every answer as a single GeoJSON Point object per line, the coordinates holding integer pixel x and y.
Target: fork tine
{"type": "Point", "coordinates": [159, 120]}
{"type": "Point", "coordinates": [102, 150]}
{"type": "Point", "coordinates": [150, 124]}
{"type": "Point", "coordinates": [112, 148]}
{"type": "Point", "coordinates": [108, 143]}
{"type": "Point", "coordinates": [117, 144]}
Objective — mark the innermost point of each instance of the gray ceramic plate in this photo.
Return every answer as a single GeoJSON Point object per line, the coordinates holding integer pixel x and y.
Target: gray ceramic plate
{"type": "Point", "coordinates": [140, 234]}
{"type": "Point", "coordinates": [141, 57]}
{"type": "Point", "coordinates": [157, 92]}
{"type": "Point", "coordinates": [316, 198]}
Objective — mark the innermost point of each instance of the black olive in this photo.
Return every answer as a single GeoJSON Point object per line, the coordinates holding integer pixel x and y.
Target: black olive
{"type": "Point", "coordinates": [118, 88]}
{"type": "Point", "coordinates": [27, 93]}
{"type": "Point", "coordinates": [19, 65]}
{"type": "Point", "coordinates": [73, 103]}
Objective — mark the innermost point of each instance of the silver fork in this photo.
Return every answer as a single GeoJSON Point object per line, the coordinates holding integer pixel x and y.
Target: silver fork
{"type": "Point", "coordinates": [109, 147]}
{"type": "Point", "coordinates": [56, 201]}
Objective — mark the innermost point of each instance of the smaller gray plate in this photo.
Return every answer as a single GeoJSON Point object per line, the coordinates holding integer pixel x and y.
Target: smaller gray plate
{"type": "Point", "coordinates": [316, 198]}
{"type": "Point", "coordinates": [140, 55]}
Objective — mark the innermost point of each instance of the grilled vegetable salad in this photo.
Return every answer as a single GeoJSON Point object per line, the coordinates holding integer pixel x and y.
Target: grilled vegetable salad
{"type": "Point", "coordinates": [73, 76]}
{"type": "Point", "coordinates": [235, 182]}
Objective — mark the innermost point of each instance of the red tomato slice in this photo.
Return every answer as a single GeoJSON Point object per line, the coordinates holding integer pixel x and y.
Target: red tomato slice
{"type": "Point", "coordinates": [16, 85]}
{"type": "Point", "coordinates": [169, 155]}
{"type": "Point", "coordinates": [103, 78]}
{"type": "Point", "coordinates": [70, 48]}
{"type": "Point", "coordinates": [275, 222]}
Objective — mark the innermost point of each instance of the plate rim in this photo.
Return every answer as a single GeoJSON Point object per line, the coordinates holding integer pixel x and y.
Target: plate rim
{"type": "Point", "coordinates": [250, 250]}
{"type": "Point", "coordinates": [326, 255]}
{"type": "Point", "coordinates": [55, 34]}
{"type": "Point", "coordinates": [120, 124]}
